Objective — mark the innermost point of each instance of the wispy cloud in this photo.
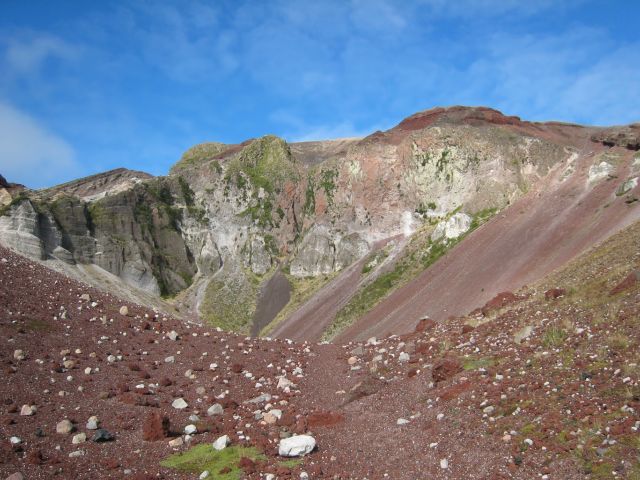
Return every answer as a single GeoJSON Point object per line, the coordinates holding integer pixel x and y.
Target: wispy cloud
{"type": "Point", "coordinates": [26, 54]}
{"type": "Point", "coordinates": [31, 154]}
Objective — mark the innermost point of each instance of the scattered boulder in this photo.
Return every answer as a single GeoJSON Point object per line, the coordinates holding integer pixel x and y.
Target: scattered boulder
{"type": "Point", "coordinates": [102, 436]}
{"type": "Point", "coordinates": [215, 409]}
{"type": "Point", "coordinates": [221, 442]}
{"type": "Point", "coordinates": [28, 410]}
{"type": "Point", "coordinates": [92, 423]}
{"type": "Point", "coordinates": [296, 446]}
{"type": "Point", "coordinates": [64, 427]}
{"type": "Point", "coordinates": [179, 404]}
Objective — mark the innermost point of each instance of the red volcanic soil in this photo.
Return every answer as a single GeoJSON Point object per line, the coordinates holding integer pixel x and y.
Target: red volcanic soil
{"type": "Point", "coordinates": [443, 402]}
{"type": "Point", "coordinates": [542, 231]}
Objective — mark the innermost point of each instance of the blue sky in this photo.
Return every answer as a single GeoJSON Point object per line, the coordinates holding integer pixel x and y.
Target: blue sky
{"type": "Point", "coordinates": [89, 86]}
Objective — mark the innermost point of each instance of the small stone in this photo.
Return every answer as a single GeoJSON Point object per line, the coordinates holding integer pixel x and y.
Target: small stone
{"type": "Point", "coordinates": [489, 410]}
{"type": "Point", "coordinates": [221, 442]}
{"type": "Point", "coordinates": [86, 297]}
{"type": "Point", "coordinates": [64, 427]}
{"type": "Point", "coordinates": [444, 463]}
{"type": "Point", "coordinates": [190, 429]}
{"type": "Point", "coordinates": [204, 475]}
{"type": "Point", "coordinates": [283, 383]}
{"type": "Point", "coordinates": [179, 404]}
{"type": "Point", "coordinates": [102, 436]}
{"type": "Point", "coordinates": [77, 453]}
{"type": "Point", "coordinates": [173, 335]}
{"type": "Point", "coordinates": [352, 360]}
{"type": "Point", "coordinates": [296, 446]}
{"type": "Point", "coordinates": [124, 310]}
{"type": "Point", "coordinates": [176, 442]}
{"type": "Point", "coordinates": [270, 418]}
{"type": "Point", "coordinates": [15, 440]}
{"type": "Point", "coordinates": [19, 355]}
{"type": "Point", "coordinates": [404, 357]}
{"type": "Point", "coordinates": [215, 409]}
{"type": "Point", "coordinates": [402, 421]}
{"type": "Point", "coordinates": [28, 410]}
{"type": "Point", "coordinates": [17, 475]}
{"type": "Point", "coordinates": [170, 359]}
{"type": "Point", "coordinates": [92, 423]}
{"type": "Point", "coordinates": [79, 438]}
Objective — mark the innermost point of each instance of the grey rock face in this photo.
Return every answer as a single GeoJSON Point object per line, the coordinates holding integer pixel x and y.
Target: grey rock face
{"type": "Point", "coordinates": [316, 254]}
{"type": "Point", "coordinates": [20, 230]}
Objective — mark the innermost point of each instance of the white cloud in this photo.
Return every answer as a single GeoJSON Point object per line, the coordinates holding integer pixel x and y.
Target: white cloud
{"type": "Point", "coordinates": [31, 154]}
{"type": "Point", "coordinates": [26, 55]}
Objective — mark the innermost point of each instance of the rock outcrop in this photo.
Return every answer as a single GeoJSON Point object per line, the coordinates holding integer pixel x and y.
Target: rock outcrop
{"type": "Point", "coordinates": [227, 217]}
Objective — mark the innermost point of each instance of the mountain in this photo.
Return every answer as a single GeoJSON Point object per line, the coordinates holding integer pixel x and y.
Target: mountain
{"type": "Point", "coordinates": [341, 239]}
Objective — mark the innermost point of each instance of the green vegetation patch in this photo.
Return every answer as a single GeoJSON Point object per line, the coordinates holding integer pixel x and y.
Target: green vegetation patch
{"type": "Point", "coordinates": [477, 363]}
{"type": "Point", "coordinates": [198, 154]}
{"type": "Point", "coordinates": [230, 301]}
{"type": "Point", "coordinates": [266, 162]}
{"type": "Point", "coordinates": [204, 457]}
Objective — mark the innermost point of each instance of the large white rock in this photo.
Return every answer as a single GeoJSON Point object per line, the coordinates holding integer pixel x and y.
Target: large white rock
{"type": "Point", "coordinates": [179, 403]}
{"type": "Point", "coordinates": [452, 228]}
{"type": "Point", "coordinates": [296, 446]}
{"type": "Point", "coordinates": [222, 442]}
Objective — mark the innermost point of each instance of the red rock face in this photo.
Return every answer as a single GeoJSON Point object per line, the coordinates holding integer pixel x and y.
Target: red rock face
{"type": "Point", "coordinates": [445, 369]}
{"type": "Point", "coordinates": [424, 324]}
{"type": "Point", "coordinates": [155, 427]}
{"type": "Point", "coordinates": [502, 299]}
{"type": "Point", "coordinates": [554, 293]}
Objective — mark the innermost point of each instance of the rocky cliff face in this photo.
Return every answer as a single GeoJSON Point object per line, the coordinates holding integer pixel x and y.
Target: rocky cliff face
{"type": "Point", "coordinates": [227, 217]}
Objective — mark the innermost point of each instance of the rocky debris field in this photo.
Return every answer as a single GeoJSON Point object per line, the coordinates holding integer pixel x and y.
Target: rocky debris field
{"type": "Point", "coordinates": [542, 383]}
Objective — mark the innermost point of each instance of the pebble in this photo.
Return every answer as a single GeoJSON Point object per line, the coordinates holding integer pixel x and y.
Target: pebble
{"type": "Point", "coordinates": [215, 409]}
{"type": "Point", "coordinates": [402, 421]}
{"type": "Point", "coordinates": [179, 404]}
{"type": "Point", "coordinates": [28, 410]}
{"type": "Point", "coordinates": [172, 335]}
{"type": "Point", "coordinates": [190, 429]}
{"type": "Point", "coordinates": [124, 310]}
{"type": "Point", "coordinates": [79, 438]}
{"type": "Point", "coordinates": [77, 453]}
{"type": "Point", "coordinates": [296, 446]}
{"type": "Point", "coordinates": [404, 357]}
{"type": "Point", "coordinates": [64, 427]}
{"type": "Point", "coordinates": [221, 442]}
{"type": "Point", "coordinates": [19, 355]}
{"type": "Point", "coordinates": [15, 440]}
{"type": "Point", "coordinates": [102, 436]}
{"type": "Point", "coordinates": [170, 359]}
{"type": "Point", "coordinates": [176, 442]}
{"type": "Point", "coordinates": [444, 463]}
{"type": "Point", "coordinates": [17, 475]}
{"type": "Point", "coordinates": [204, 475]}
{"type": "Point", "coordinates": [92, 423]}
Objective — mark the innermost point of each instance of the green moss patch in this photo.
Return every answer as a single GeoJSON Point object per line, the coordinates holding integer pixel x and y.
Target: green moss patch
{"type": "Point", "coordinates": [204, 457]}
